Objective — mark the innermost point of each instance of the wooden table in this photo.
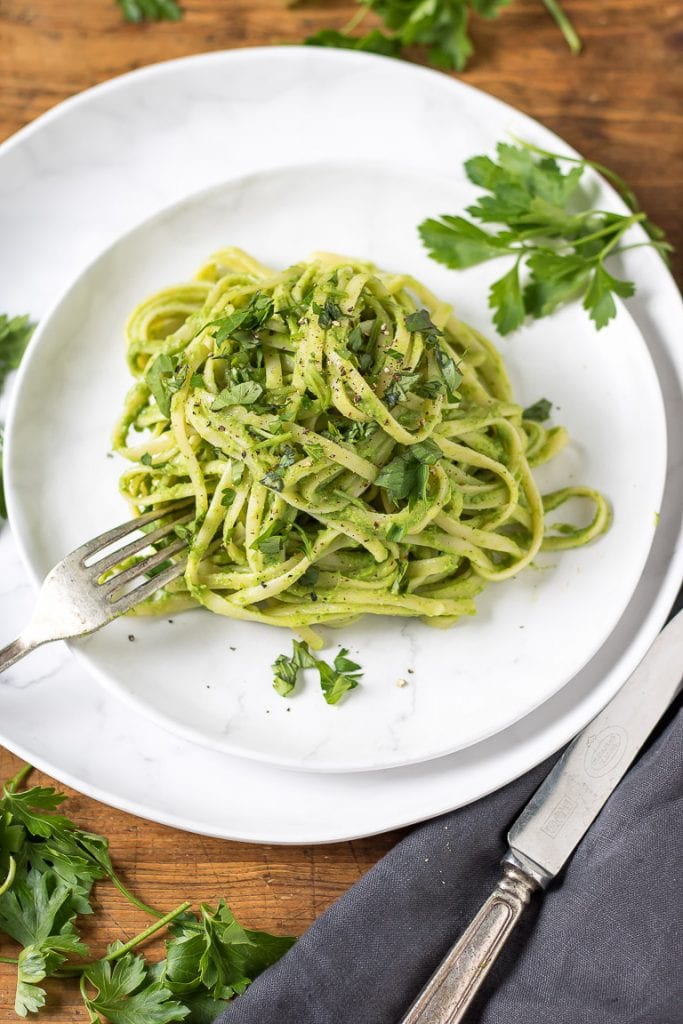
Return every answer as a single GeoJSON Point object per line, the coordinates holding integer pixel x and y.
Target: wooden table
{"type": "Point", "coordinates": [619, 103]}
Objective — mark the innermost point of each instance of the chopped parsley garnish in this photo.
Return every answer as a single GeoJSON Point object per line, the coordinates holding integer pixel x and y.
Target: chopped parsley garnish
{"type": "Point", "coordinates": [335, 680]}
{"type": "Point", "coordinates": [548, 227]}
{"type": "Point", "coordinates": [407, 474]}
{"type": "Point", "coordinates": [539, 411]}
{"type": "Point", "coordinates": [420, 321]}
{"type": "Point", "coordinates": [270, 541]}
{"type": "Point", "coordinates": [273, 478]}
{"type": "Point", "coordinates": [237, 394]}
{"type": "Point", "coordinates": [243, 324]}
{"type": "Point", "coordinates": [310, 577]}
{"type": "Point", "coordinates": [329, 314]}
{"type": "Point", "coordinates": [164, 378]}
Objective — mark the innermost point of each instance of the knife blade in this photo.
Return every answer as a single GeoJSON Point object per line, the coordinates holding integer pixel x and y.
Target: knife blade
{"type": "Point", "coordinates": [553, 823]}
{"type": "Point", "coordinates": [569, 800]}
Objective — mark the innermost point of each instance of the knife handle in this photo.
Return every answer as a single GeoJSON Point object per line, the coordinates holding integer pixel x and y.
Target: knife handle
{"type": "Point", "coordinates": [448, 993]}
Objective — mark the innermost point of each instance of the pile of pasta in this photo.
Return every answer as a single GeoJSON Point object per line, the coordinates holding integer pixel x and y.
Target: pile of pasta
{"type": "Point", "coordinates": [348, 446]}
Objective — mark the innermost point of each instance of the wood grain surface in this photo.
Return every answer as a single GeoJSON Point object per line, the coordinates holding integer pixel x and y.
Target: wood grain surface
{"type": "Point", "coordinates": [619, 102]}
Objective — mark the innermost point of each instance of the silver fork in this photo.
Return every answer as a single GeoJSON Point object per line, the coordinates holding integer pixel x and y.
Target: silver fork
{"type": "Point", "coordinates": [75, 600]}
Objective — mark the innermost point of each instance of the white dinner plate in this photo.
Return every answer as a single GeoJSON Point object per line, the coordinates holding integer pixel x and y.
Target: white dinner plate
{"type": "Point", "coordinates": [210, 679]}
{"type": "Point", "coordinates": [92, 168]}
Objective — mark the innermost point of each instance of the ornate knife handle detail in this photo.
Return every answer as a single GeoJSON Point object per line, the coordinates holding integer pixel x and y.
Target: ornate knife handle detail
{"type": "Point", "coordinates": [447, 995]}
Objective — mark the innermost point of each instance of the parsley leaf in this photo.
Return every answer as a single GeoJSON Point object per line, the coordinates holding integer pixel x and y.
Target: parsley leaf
{"type": "Point", "coordinates": [549, 226]}
{"type": "Point", "coordinates": [150, 10]}
{"type": "Point", "coordinates": [125, 996]}
{"type": "Point", "coordinates": [599, 299]}
{"type": "Point", "coordinates": [244, 324]}
{"type": "Point", "coordinates": [270, 541]}
{"type": "Point", "coordinates": [38, 912]}
{"type": "Point", "coordinates": [406, 475]}
{"type": "Point", "coordinates": [539, 411]}
{"type": "Point", "coordinates": [458, 243]}
{"type": "Point", "coordinates": [237, 394]}
{"type": "Point", "coordinates": [215, 953]}
{"type": "Point", "coordinates": [164, 378]}
{"type": "Point", "coordinates": [505, 298]}
{"type": "Point", "coordinates": [335, 680]}
{"type": "Point", "coordinates": [329, 314]}
{"type": "Point", "coordinates": [421, 321]}
{"type": "Point", "coordinates": [15, 334]}
{"type": "Point", "coordinates": [285, 675]}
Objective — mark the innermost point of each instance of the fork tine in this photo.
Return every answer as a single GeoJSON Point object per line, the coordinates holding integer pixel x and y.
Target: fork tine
{"type": "Point", "coordinates": [128, 575]}
{"type": "Point", "coordinates": [123, 604]}
{"type": "Point", "coordinates": [103, 540]}
{"type": "Point", "coordinates": [139, 544]}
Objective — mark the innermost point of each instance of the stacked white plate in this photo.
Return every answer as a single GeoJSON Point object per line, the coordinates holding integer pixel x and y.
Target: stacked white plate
{"type": "Point", "coordinates": [129, 187]}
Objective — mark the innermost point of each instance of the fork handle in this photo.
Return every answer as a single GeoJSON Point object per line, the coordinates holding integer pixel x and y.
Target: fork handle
{"type": "Point", "coordinates": [449, 992]}
{"type": "Point", "coordinates": [17, 649]}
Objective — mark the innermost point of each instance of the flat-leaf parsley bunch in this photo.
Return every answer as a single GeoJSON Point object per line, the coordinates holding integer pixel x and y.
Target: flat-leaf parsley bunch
{"type": "Point", "coordinates": [48, 867]}
{"type": "Point", "coordinates": [550, 230]}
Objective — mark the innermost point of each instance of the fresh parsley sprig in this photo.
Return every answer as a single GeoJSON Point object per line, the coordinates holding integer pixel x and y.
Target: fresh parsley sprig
{"type": "Point", "coordinates": [549, 228]}
{"type": "Point", "coordinates": [48, 867]}
{"type": "Point", "coordinates": [441, 26]}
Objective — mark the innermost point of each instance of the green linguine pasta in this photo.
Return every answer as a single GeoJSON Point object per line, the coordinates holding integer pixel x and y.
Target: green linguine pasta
{"type": "Point", "coordinates": [349, 446]}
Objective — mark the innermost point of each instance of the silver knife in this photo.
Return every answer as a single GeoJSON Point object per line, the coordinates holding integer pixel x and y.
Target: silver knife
{"type": "Point", "coordinates": [553, 823]}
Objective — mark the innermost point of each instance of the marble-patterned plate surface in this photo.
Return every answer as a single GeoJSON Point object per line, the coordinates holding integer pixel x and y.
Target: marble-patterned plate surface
{"type": "Point", "coordinates": [91, 169]}
{"type": "Point", "coordinates": [209, 678]}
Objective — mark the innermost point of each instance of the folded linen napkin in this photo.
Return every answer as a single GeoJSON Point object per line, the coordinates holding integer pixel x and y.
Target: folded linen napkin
{"type": "Point", "coordinates": [602, 946]}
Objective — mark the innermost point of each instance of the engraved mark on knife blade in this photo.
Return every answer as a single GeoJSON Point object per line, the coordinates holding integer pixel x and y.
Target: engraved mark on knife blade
{"type": "Point", "coordinates": [559, 816]}
{"type": "Point", "coordinates": [605, 751]}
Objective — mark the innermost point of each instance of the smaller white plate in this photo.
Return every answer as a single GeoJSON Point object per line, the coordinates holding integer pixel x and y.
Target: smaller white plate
{"type": "Point", "coordinates": [209, 678]}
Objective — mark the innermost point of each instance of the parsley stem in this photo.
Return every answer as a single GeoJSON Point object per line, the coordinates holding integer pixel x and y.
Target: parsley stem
{"type": "Point", "coordinates": [148, 932]}
{"type": "Point", "coordinates": [8, 960]}
{"type": "Point", "coordinates": [70, 969]}
{"type": "Point", "coordinates": [11, 872]}
{"type": "Point", "coordinates": [16, 780]}
{"type": "Point", "coordinates": [355, 20]}
{"type": "Point", "coordinates": [564, 24]}
{"type": "Point", "coordinates": [624, 227]}
{"type": "Point", "coordinates": [610, 229]}
{"type": "Point", "coordinates": [661, 247]}
{"type": "Point", "coordinates": [131, 897]}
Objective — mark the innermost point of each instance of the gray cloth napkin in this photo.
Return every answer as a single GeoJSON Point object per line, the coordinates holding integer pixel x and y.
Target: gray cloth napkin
{"type": "Point", "coordinates": [604, 945]}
